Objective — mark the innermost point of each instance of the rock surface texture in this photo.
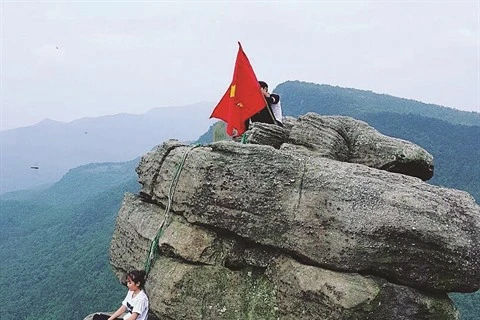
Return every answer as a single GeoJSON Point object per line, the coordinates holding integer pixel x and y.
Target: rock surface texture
{"type": "Point", "coordinates": [324, 218]}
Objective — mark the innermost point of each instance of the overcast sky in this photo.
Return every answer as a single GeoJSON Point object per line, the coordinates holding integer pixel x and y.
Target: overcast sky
{"type": "Point", "coordinates": [132, 56]}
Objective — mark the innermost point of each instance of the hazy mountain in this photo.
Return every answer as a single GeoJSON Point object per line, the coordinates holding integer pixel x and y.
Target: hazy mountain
{"type": "Point", "coordinates": [55, 147]}
{"type": "Point", "coordinates": [299, 97]}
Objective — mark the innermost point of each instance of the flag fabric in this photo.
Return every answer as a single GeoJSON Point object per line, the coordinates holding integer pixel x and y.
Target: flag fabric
{"type": "Point", "coordinates": [243, 97]}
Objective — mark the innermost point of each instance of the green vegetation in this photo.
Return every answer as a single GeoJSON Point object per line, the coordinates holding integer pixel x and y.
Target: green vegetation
{"type": "Point", "coordinates": [54, 246]}
{"type": "Point", "coordinates": [261, 304]}
{"type": "Point", "coordinates": [216, 132]}
{"type": "Point", "coordinates": [301, 97]}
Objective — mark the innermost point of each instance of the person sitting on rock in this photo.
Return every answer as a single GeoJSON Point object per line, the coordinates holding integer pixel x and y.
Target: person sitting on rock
{"type": "Point", "coordinates": [135, 304]}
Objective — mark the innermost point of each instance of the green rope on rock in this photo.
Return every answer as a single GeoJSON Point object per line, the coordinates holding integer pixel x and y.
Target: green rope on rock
{"type": "Point", "coordinates": [244, 138]}
{"type": "Point", "coordinates": [152, 254]}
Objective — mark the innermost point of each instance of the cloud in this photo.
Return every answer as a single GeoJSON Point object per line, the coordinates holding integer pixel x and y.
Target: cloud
{"type": "Point", "coordinates": [395, 61]}
{"type": "Point", "coordinates": [460, 37]}
{"type": "Point", "coordinates": [123, 40]}
{"type": "Point", "coordinates": [349, 28]}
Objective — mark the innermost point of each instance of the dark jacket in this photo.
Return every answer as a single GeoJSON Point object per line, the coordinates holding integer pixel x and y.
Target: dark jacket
{"type": "Point", "coordinates": [266, 115]}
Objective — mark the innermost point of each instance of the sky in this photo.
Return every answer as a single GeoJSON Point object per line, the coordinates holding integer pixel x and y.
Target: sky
{"type": "Point", "coordinates": [66, 60]}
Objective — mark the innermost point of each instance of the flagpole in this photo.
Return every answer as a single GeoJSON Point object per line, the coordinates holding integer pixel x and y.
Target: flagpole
{"type": "Point", "coordinates": [271, 115]}
{"type": "Point", "coordinates": [270, 111]}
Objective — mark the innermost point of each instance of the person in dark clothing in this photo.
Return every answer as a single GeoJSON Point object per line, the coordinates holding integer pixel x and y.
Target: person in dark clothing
{"type": "Point", "coordinates": [266, 115]}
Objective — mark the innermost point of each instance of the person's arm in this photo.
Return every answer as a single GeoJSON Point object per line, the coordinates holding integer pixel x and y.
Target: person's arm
{"type": "Point", "coordinates": [134, 316]}
{"type": "Point", "coordinates": [119, 312]}
{"type": "Point", "coordinates": [275, 98]}
{"type": "Point", "coordinates": [272, 98]}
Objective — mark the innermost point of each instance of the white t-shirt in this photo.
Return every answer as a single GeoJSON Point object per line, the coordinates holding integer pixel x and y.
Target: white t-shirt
{"type": "Point", "coordinates": [139, 304]}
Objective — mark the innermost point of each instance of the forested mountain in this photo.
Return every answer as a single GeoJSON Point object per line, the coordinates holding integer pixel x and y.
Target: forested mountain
{"type": "Point", "coordinates": [54, 243]}
{"type": "Point", "coordinates": [297, 97]}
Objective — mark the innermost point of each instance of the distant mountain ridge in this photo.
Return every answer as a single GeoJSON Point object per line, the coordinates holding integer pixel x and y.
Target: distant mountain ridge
{"type": "Point", "coordinates": [55, 147]}
{"type": "Point", "coordinates": [296, 96]}
{"type": "Point", "coordinates": [79, 183]}
{"type": "Point", "coordinates": [299, 97]}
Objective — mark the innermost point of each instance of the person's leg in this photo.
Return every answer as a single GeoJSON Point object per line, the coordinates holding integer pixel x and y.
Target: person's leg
{"type": "Point", "coordinates": [100, 316]}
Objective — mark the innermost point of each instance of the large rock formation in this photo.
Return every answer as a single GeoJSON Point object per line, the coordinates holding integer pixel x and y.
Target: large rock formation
{"type": "Point", "coordinates": [322, 219]}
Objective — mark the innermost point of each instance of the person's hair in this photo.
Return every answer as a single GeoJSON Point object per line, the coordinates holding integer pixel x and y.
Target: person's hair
{"type": "Point", "coordinates": [263, 84]}
{"type": "Point", "coordinates": [137, 276]}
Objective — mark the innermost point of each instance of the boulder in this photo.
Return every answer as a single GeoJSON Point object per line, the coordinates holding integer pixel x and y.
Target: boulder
{"type": "Point", "coordinates": [348, 140]}
{"type": "Point", "coordinates": [324, 218]}
{"type": "Point", "coordinates": [203, 274]}
{"type": "Point", "coordinates": [338, 215]}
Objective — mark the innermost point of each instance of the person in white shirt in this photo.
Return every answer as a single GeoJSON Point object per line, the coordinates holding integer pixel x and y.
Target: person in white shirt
{"type": "Point", "coordinates": [135, 304]}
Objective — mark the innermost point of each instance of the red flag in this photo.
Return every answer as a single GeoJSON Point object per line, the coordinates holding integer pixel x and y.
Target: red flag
{"type": "Point", "coordinates": [243, 98]}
